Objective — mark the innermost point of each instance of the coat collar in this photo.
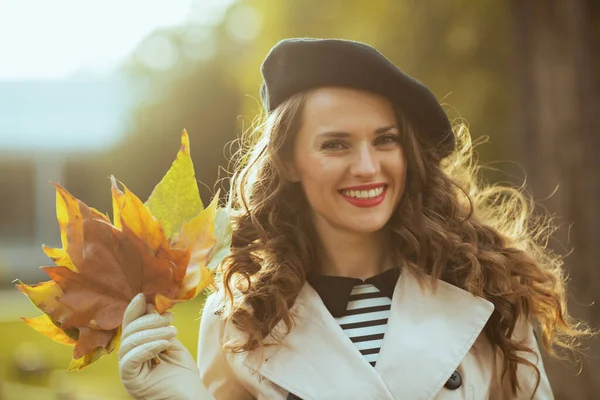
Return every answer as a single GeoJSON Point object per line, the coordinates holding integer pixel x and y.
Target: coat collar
{"type": "Point", "coordinates": [428, 334]}
{"type": "Point", "coordinates": [335, 291]}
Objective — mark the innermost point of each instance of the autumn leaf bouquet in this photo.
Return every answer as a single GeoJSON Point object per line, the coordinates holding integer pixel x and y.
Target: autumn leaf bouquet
{"type": "Point", "coordinates": [165, 248]}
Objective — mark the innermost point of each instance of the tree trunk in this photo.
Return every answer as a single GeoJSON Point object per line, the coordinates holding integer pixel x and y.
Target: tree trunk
{"type": "Point", "coordinates": [558, 109]}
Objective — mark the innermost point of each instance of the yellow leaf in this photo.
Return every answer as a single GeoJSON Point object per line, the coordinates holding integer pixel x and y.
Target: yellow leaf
{"type": "Point", "coordinates": [198, 236]}
{"type": "Point", "coordinates": [137, 216]}
{"type": "Point", "coordinates": [81, 362]}
{"type": "Point", "coordinates": [44, 325]}
{"type": "Point", "coordinates": [60, 257]}
{"type": "Point", "coordinates": [98, 215]}
{"type": "Point", "coordinates": [70, 222]}
{"type": "Point", "coordinates": [203, 277]}
{"type": "Point", "coordinates": [195, 282]}
{"type": "Point", "coordinates": [118, 198]}
{"type": "Point", "coordinates": [162, 303]}
{"type": "Point", "coordinates": [43, 295]}
{"type": "Point", "coordinates": [176, 198]}
{"type": "Point", "coordinates": [198, 233]}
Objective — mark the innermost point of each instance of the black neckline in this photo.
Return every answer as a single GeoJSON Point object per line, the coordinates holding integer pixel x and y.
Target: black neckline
{"type": "Point", "coordinates": [335, 290]}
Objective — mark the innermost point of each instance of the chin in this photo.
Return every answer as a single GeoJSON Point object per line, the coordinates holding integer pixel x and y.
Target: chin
{"type": "Point", "coordinates": [370, 225]}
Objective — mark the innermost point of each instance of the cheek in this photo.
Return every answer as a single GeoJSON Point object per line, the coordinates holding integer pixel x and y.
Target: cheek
{"type": "Point", "coordinates": [396, 170]}
{"type": "Point", "coordinates": [320, 178]}
{"type": "Point", "coordinates": [320, 172]}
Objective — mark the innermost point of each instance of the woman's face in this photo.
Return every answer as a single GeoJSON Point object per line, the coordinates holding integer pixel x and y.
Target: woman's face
{"type": "Point", "coordinates": [348, 158]}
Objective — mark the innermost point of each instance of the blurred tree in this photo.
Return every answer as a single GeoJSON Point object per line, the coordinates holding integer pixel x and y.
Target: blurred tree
{"type": "Point", "coordinates": [201, 99]}
{"type": "Point", "coordinates": [462, 50]}
{"type": "Point", "coordinates": [560, 102]}
{"type": "Point", "coordinates": [193, 94]}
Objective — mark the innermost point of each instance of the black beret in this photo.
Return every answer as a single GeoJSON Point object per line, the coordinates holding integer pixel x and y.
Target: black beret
{"type": "Point", "coordinates": [298, 64]}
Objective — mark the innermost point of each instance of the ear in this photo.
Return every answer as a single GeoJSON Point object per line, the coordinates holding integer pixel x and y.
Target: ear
{"type": "Point", "coordinates": [290, 172]}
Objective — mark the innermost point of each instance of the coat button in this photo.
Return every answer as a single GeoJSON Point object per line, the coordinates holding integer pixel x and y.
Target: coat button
{"type": "Point", "coordinates": [454, 382]}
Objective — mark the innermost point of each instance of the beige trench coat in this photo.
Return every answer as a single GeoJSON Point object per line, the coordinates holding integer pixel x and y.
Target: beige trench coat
{"type": "Point", "coordinates": [429, 336]}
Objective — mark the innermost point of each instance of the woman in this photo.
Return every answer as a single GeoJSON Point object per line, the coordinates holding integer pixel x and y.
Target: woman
{"type": "Point", "coordinates": [366, 261]}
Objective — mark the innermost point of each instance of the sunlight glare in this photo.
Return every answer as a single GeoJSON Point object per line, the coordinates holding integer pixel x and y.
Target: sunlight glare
{"type": "Point", "coordinates": [54, 39]}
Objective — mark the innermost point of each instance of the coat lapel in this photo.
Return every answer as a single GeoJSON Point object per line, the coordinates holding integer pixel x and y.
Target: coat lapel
{"type": "Point", "coordinates": [316, 359]}
{"type": "Point", "coordinates": [428, 335]}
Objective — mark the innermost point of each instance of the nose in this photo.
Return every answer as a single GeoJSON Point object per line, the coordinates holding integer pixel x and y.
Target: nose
{"type": "Point", "coordinates": [365, 164]}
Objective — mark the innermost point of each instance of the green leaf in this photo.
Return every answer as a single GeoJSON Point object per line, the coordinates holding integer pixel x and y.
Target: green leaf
{"type": "Point", "coordinates": [176, 198]}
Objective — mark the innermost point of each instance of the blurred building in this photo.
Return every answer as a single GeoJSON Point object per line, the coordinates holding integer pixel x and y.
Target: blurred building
{"type": "Point", "coordinates": [44, 125]}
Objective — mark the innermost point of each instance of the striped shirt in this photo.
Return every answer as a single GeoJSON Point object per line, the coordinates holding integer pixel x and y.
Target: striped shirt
{"type": "Point", "coordinates": [366, 319]}
{"type": "Point", "coordinates": [361, 308]}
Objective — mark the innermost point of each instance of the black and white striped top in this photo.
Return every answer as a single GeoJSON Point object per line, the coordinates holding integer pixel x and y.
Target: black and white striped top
{"type": "Point", "coordinates": [366, 319]}
{"type": "Point", "coordinates": [361, 308]}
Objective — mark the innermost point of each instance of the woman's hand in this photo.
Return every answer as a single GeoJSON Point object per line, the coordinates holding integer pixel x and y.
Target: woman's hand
{"type": "Point", "coordinates": [147, 335]}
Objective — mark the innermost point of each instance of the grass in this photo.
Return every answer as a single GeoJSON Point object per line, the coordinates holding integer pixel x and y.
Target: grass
{"type": "Point", "coordinates": [100, 380]}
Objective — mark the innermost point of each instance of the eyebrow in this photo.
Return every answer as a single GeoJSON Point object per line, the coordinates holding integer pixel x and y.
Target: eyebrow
{"type": "Point", "coordinates": [341, 134]}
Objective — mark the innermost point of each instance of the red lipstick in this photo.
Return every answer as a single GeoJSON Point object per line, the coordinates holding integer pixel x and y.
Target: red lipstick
{"type": "Point", "coordinates": [368, 202]}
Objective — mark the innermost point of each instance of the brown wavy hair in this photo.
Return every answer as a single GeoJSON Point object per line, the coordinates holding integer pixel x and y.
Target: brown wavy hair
{"type": "Point", "coordinates": [483, 238]}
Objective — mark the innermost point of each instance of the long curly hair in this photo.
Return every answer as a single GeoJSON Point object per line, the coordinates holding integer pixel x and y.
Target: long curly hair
{"type": "Point", "coordinates": [449, 224]}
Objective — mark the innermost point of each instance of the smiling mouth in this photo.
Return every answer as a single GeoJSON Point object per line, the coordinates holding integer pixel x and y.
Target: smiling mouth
{"type": "Point", "coordinates": [365, 197]}
{"type": "Point", "coordinates": [363, 194]}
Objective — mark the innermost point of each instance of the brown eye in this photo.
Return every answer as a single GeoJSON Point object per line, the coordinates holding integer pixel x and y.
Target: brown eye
{"type": "Point", "coordinates": [386, 140]}
{"type": "Point", "coordinates": [333, 145]}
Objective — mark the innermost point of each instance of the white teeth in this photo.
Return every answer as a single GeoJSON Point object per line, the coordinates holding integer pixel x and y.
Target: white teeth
{"type": "Point", "coordinates": [363, 194]}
